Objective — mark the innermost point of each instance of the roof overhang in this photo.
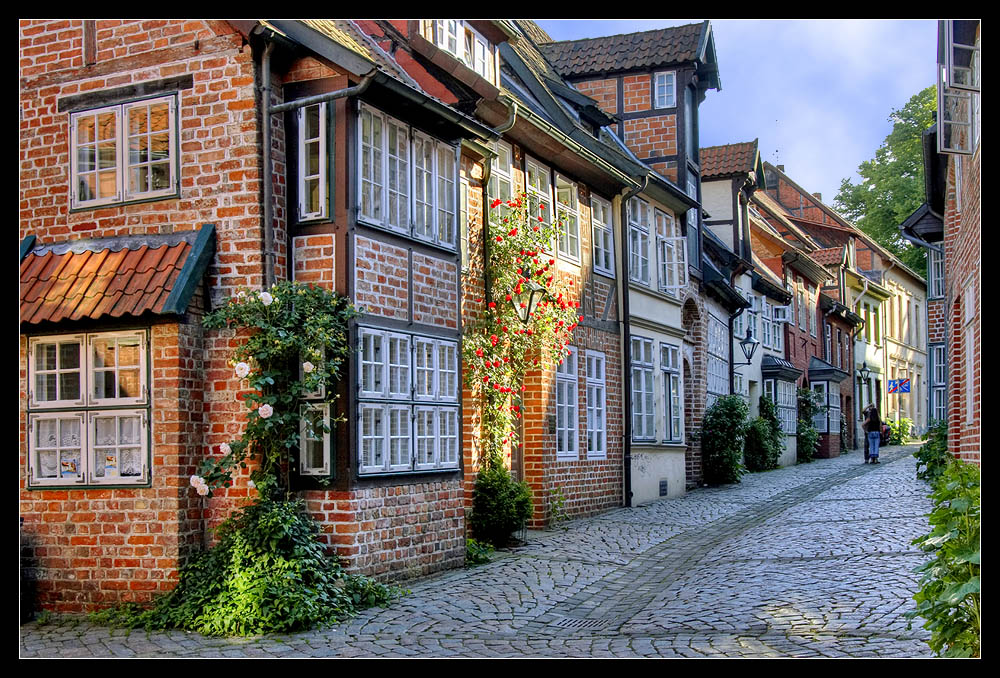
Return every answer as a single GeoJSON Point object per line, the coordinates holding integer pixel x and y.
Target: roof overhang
{"type": "Point", "coordinates": [773, 367]}
{"type": "Point", "coordinates": [923, 226]}
{"type": "Point", "coordinates": [820, 370]}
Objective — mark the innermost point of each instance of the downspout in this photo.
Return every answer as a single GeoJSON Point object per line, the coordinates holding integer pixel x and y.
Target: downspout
{"type": "Point", "coordinates": [921, 243]}
{"type": "Point", "coordinates": [626, 348]}
{"type": "Point", "coordinates": [265, 107]}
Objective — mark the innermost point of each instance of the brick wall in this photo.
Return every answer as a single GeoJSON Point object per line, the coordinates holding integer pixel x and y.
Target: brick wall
{"type": "Point", "coordinates": [435, 292]}
{"type": "Point", "coordinates": [604, 92]}
{"type": "Point", "coordinates": [695, 323]}
{"type": "Point", "coordinates": [637, 93]}
{"type": "Point", "coordinates": [314, 260]}
{"type": "Point", "coordinates": [652, 137]}
{"type": "Point", "coordinates": [381, 282]}
{"type": "Point", "coordinates": [395, 531]}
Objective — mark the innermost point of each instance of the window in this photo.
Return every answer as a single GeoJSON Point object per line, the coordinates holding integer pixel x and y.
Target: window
{"type": "Point", "coordinates": [692, 219]}
{"type": "Point", "coordinates": [800, 306]}
{"type": "Point", "coordinates": [787, 402]}
{"type": "Point", "coordinates": [463, 42]}
{"type": "Point", "coordinates": [392, 187]}
{"type": "Point", "coordinates": [939, 373]}
{"type": "Point", "coordinates": [828, 344]}
{"type": "Point", "coordinates": [752, 314]}
{"type": "Point", "coordinates": [124, 153]}
{"type": "Point", "coordinates": [603, 237]}
{"type": "Point", "coordinates": [88, 409]}
{"type": "Point", "coordinates": [312, 172]}
{"type": "Point", "coordinates": [597, 425]}
{"type": "Point", "coordinates": [811, 311]}
{"type": "Point", "coordinates": [820, 419]}
{"type": "Point", "coordinates": [538, 186]}
{"type": "Point", "coordinates": [408, 402]}
{"type": "Point", "coordinates": [463, 221]}
{"type": "Point", "coordinates": [568, 219]}
{"type": "Point", "coordinates": [718, 360]}
{"type": "Point", "coordinates": [502, 173]}
{"type": "Point", "coordinates": [766, 326]}
{"type": "Point", "coordinates": [314, 440]}
{"type": "Point", "coordinates": [840, 349]}
{"type": "Point", "coordinates": [566, 407]}
{"type": "Point", "coordinates": [643, 417]}
{"type": "Point", "coordinates": [673, 401]}
{"type": "Point", "coordinates": [738, 322]}
{"type": "Point", "coordinates": [638, 237]}
{"type": "Point", "coordinates": [665, 90]}
{"type": "Point", "coordinates": [672, 250]}
{"type": "Point", "coordinates": [935, 274]}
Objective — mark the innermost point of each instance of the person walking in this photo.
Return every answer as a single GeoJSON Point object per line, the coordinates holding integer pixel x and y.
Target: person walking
{"type": "Point", "coordinates": [864, 427]}
{"type": "Point", "coordinates": [873, 427]}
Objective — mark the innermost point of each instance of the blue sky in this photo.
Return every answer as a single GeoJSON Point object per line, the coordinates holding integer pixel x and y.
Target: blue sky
{"type": "Point", "coordinates": [817, 94]}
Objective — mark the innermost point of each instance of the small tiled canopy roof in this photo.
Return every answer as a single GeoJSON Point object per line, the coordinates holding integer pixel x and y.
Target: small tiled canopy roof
{"type": "Point", "coordinates": [133, 275]}
{"type": "Point", "coordinates": [831, 255]}
{"type": "Point", "coordinates": [611, 53]}
{"type": "Point", "coordinates": [722, 161]}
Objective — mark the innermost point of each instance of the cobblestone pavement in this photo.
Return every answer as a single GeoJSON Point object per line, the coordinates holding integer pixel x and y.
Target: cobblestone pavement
{"type": "Point", "coordinates": [808, 561]}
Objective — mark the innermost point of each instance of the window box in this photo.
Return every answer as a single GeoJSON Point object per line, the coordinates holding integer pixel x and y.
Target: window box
{"type": "Point", "coordinates": [124, 153]}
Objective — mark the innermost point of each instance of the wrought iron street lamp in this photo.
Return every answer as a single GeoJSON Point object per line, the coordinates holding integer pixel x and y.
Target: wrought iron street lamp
{"type": "Point", "coordinates": [864, 372]}
{"type": "Point", "coordinates": [526, 302]}
{"type": "Point", "coordinates": [749, 346]}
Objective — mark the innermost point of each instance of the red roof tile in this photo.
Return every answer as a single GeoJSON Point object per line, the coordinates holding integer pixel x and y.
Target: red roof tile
{"type": "Point", "coordinates": [645, 50]}
{"type": "Point", "coordinates": [93, 279]}
{"type": "Point", "coordinates": [720, 161]}
{"type": "Point", "coordinates": [831, 255]}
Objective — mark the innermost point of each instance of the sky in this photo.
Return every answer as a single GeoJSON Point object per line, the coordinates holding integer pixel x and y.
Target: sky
{"type": "Point", "coordinates": [817, 94]}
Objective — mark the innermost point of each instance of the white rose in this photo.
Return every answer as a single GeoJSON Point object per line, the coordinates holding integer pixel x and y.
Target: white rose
{"type": "Point", "coordinates": [202, 490]}
{"type": "Point", "coordinates": [266, 298]}
{"type": "Point", "coordinates": [224, 448]}
{"type": "Point", "coordinates": [265, 411]}
{"type": "Point", "coordinates": [241, 295]}
{"type": "Point", "coordinates": [242, 370]}
{"type": "Point", "coordinates": [251, 484]}
{"type": "Point", "coordinates": [308, 367]}
{"type": "Point", "coordinates": [196, 481]}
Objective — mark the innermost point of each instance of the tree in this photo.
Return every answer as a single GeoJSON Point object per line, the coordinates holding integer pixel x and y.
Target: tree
{"type": "Point", "coordinates": [892, 183]}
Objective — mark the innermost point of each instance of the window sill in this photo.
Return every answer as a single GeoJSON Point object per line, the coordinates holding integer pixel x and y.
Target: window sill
{"type": "Point", "coordinates": [87, 207]}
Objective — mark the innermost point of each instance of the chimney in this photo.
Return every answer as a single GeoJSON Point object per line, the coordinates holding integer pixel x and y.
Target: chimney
{"type": "Point", "coordinates": [818, 196]}
{"type": "Point", "coordinates": [781, 168]}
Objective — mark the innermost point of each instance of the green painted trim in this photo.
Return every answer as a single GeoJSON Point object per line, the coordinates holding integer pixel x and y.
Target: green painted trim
{"type": "Point", "coordinates": [27, 244]}
{"type": "Point", "coordinates": [194, 269]}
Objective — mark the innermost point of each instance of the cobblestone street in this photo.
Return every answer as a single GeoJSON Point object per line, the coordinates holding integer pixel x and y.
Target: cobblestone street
{"type": "Point", "coordinates": [810, 561]}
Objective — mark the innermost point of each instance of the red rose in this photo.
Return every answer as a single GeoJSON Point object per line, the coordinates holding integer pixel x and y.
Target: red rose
{"type": "Point", "coordinates": [496, 203]}
{"type": "Point", "coordinates": [492, 304]}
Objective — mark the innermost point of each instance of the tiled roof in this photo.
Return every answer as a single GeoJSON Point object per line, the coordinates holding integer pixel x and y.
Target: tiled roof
{"type": "Point", "coordinates": [612, 53]}
{"type": "Point", "coordinates": [720, 161]}
{"type": "Point", "coordinates": [112, 276]}
{"type": "Point", "coordinates": [830, 255]}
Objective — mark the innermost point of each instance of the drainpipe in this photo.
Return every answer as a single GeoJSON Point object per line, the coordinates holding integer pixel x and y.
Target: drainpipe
{"type": "Point", "coordinates": [265, 107]}
{"type": "Point", "coordinates": [627, 347]}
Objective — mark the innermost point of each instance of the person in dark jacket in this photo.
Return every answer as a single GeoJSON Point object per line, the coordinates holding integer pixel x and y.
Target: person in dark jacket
{"type": "Point", "coordinates": [873, 427]}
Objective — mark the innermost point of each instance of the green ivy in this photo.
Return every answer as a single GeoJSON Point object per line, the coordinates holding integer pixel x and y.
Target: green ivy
{"type": "Point", "coordinates": [268, 573]}
{"type": "Point", "coordinates": [477, 552]}
{"type": "Point", "coordinates": [933, 457]}
{"type": "Point", "coordinates": [949, 595]}
{"type": "Point", "coordinates": [807, 441]}
{"type": "Point", "coordinates": [764, 438]}
{"type": "Point", "coordinates": [722, 433]}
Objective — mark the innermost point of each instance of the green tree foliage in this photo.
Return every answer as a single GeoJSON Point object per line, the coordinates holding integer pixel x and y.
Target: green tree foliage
{"type": "Point", "coordinates": [765, 440]}
{"type": "Point", "coordinates": [892, 183]}
{"type": "Point", "coordinates": [722, 433]}
{"type": "Point", "coordinates": [810, 404]}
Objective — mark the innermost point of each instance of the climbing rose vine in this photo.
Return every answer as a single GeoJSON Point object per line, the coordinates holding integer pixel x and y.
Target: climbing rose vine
{"type": "Point", "coordinates": [498, 348]}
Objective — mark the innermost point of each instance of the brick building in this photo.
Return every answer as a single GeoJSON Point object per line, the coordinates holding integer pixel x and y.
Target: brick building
{"type": "Point", "coordinates": [949, 225]}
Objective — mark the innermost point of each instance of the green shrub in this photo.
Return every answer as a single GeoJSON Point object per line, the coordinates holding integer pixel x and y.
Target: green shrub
{"type": "Point", "coordinates": [899, 431]}
{"type": "Point", "coordinates": [764, 439]}
{"type": "Point", "coordinates": [500, 505]}
{"type": "Point", "coordinates": [267, 573]}
{"type": "Point", "coordinates": [476, 552]}
{"type": "Point", "coordinates": [949, 595]}
{"type": "Point", "coordinates": [722, 432]}
{"type": "Point", "coordinates": [810, 404]}
{"type": "Point", "coordinates": [933, 457]}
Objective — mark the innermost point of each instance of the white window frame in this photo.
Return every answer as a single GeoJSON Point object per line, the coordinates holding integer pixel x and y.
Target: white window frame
{"type": "Point", "coordinates": [820, 420]}
{"type": "Point", "coordinates": [568, 407]}
{"type": "Point", "coordinates": [672, 249]}
{"type": "Point", "coordinates": [673, 393]}
{"type": "Point", "coordinates": [439, 179]}
{"type": "Point", "coordinates": [502, 175]}
{"type": "Point", "coordinates": [568, 220]}
{"type": "Point", "coordinates": [783, 393]}
{"type": "Point", "coordinates": [463, 221]}
{"type": "Point", "coordinates": [437, 402]}
{"type": "Point", "coordinates": [665, 89]}
{"type": "Point", "coordinates": [308, 433]}
{"type": "Point", "coordinates": [121, 157]}
{"type": "Point", "coordinates": [603, 236]}
{"type": "Point", "coordinates": [304, 176]}
{"type": "Point", "coordinates": [935, 274]}
{"type": "Point", "coordinates": [462, 41]}
{"type": "Point", "coordinates": [538, 194]}
{"type": "Point", "coordinates": [738, 322]}
{"type": "Point", "coordinates": [87, 409]}
{"type": "Point", "coordinates": [718, 360]}
{"type": "Point", "coordinates": [643, 390]}
{"type": "Point", "coordinates": [638, 228]}
{"type": "Point", "coordinates": [597, 405]}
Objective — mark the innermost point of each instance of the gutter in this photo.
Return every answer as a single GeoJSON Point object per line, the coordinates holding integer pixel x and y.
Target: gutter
{"type": "Point", "coordinates": [626, 349]}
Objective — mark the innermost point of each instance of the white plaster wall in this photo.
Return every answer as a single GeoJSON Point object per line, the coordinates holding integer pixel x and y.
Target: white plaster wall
{"type": "Point", "coordinates": [649, 466]}
{"type": "Point", "coordinates": [717, 199]}
{"type": "Point", "coordinates": [788, 457]}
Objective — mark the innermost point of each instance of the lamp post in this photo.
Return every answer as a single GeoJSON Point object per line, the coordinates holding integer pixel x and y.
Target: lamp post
{"type": "Point", "coordinates": [527, 300]}
{"type": "Point", "coordinates": [749, 346]}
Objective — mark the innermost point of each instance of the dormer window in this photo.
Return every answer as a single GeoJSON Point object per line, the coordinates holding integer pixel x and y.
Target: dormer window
{"type": "Point", "coordinates": [459, 39]}
{"type": "Point", "coordinates": [665, 90]}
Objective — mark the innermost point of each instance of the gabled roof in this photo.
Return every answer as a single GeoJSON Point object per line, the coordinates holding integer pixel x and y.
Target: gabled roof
{"type": "Point", "coordinates": [91, 279]}
{"type": "Point", "coordinates": [628, 51]}
{"type": "Point", "coordinates": [784, 219]}
{"type": "Point", "coordinates": [729, 159]}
